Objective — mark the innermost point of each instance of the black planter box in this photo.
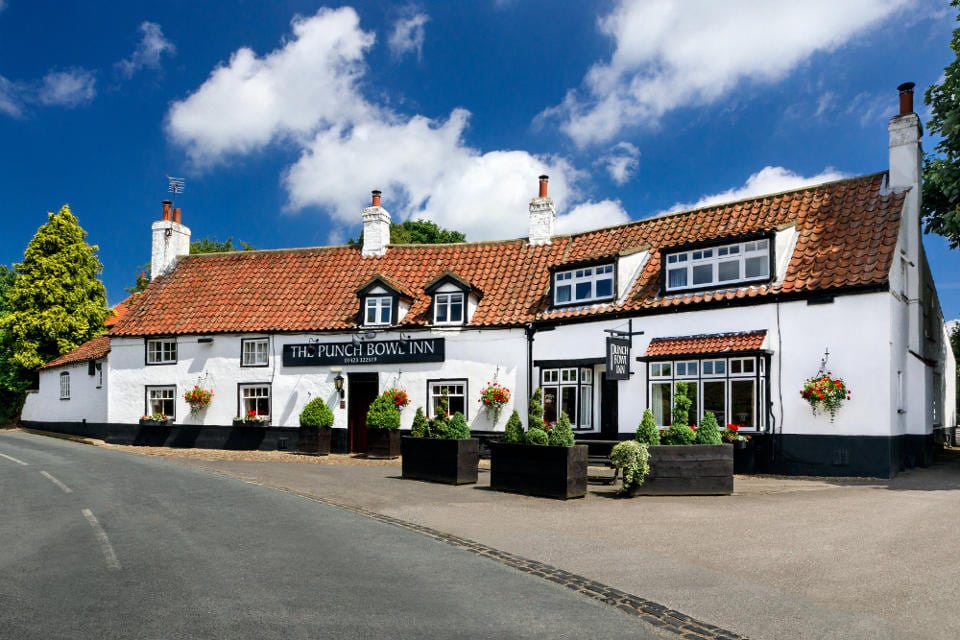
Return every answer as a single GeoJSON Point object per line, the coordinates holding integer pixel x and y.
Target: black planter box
{"type": "Point", "coordinates": [447, 461]}
{"type": "Point", "coordinates": [552, 472]}
{"type": "Point", "coordinates": [152, 433]}
{"type": "Point", "coordinates": [689, 470]}
{"type": "Point", "coordinates": [744, 457]}
{"type": "Point", "coordinates": [314, 441]}
{"type": "Point", "coordinates": [383, 443]}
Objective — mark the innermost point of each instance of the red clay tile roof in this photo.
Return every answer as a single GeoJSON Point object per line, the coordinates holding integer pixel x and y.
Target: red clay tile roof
{"type": "Point", "coordinates": [846, 236]}
{"type": "Point", "coordinates": [120, 310]}
{"type": "Point", "coordinates": [94, 349]}
{"type": "Point", "coordinates": [715, 343]}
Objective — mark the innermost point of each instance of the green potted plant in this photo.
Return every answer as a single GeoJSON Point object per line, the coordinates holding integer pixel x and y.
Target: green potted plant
{"type": "Point", "coordinates": [538, 462]}
{"type": "Point", "coordinates": [440, 450]}
{"type": "Point", "coordinates": [316, 420]}
{"type": "Point", "coordinates": [383, 424]}
{"type": "Point", "coordinates": [631, 458]}
{"type": "Point", "coordinates": [690, 461]}
{"type": "Point", "coordinates": [154, 430]}
{"type": "Point", "coordinates": [251, 419]}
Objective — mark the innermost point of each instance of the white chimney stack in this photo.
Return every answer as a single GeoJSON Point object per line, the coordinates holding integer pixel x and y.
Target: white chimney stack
{"type": "Point", "coordinates": [543, 214]}
{"type": "Point", "coordinates": [376, 228]}
{"type": "Point", "coordinates": [170, 240]}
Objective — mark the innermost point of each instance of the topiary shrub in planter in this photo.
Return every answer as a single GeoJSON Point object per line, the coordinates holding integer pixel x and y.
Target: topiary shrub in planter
{"type": "Point", "coordinates": [383, 426]}
{"type": "Point", "coordinates": [709, 431]}
{"type": "Point", "coordinates": [447, 455]}
{"type": "Point", "coordinates": [678, 434]}
{"type": "Point", "coordinates": [632, 459]}
{"type": "Point", "coordinates": [535, 468]}
{"type": "Point", "coordinates": [421, 426]}
{"type": "Point", "coordinates": [513, 432]}
{"type": "Point", "coordinates": [647, 431]}
{"type": "Point", "coordinates": [562, 434]}
{"type": "Point", "coordinates": [688, 470]}
{"type": "Point", "coordinates": [316, 420]}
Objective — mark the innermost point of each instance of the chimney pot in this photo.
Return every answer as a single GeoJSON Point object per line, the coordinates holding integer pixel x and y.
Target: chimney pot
{"type": "Point", "coordinates": [166, 209]}
{"type": "Point", "coordinates": [176, 215]}
{"type": "Point", "coordinates": [906, 97]}
{"type": "Point", "coordinates": [376, 197]}
{"type": "Point", "coordinates": [543, 185]}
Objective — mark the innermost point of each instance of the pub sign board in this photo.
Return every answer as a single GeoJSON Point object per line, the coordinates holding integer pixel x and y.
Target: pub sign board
{"type": "Point", "coordinates": [618, 358]}
{"type": "Point", "coordinates": [318, 354]}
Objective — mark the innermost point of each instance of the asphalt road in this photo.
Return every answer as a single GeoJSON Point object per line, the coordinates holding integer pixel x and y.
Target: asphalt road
{"type": "Point", "coordinates": [99, 544]}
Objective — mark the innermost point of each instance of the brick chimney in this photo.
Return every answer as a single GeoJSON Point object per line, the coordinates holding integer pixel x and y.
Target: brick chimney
{"type": "Point", "coordinates": [376, 228]}
{"type": "Point", "coordinates": [171, 239]}
{"type": "Point", "coordinates": [543, 214]}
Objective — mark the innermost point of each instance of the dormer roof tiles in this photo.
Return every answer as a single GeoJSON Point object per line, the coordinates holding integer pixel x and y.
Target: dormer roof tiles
{"type": "Point", "coordinates": [846, 237]}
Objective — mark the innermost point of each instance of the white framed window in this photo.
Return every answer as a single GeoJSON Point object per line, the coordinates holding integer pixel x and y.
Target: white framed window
{"type": "Point", "coordinates": [162, 351]}
{"type": "Point", "coordinates": [661, 369]}
{"type": "Point", "coordinates": [716, 367]}
{"type": "Point", "coordinates": [254, 352]}
{"type": "Point", "coordinates": [715, 266]}
{"type": "Point", "coordinates": [587, 284]}
{"type": "Point", "coordinates": [255, 400]}
{"type": "Point", "coordinates": [688, 368]}
{"type": "Point", "coordinates": [378, 310]}
{"type": "Point", "coordinates": [161, 400]}
{"type": "Point", "coordinates": [448, 308]}
{"type": "Point", "coordinates": [64, 386]}
{"type": "Point", "coordinates": [455, 392]}
{"type": "Point", "coordinates": [568, 389]}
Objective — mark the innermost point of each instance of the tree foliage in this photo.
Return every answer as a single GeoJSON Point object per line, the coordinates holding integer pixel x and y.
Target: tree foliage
{"type": "Point", "coordinates": [14, 379]}
{"type": "Point", "coordinates": [207, 245]}
{"type": "Point", "coordinates": [941, 172]}
{"type": "Point", "coordinates": [418, 232]}
{"type": "Point", "coordinates": [57, 301]}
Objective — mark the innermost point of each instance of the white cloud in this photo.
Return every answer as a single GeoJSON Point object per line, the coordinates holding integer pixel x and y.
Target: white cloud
{"type": "Point", "coordinates": [147, 54]}
{"type": "Point", "coordinates": [307, 91]}
{"type": "Point", "coordinates": [768, 180]}
{"type": "Point", "coordinates": [592, 215]}
{"type": "Point", "coordinates": [621, 162]}
{"type": "Point", "coordinates": [407, 35]}
{"type": "Point", "coordinates": [674, 53]}
{"type": "Point", "coordinates": [307, 84]}
{"type": "Point", "coordinates": [10, 102]}
{"type": "Point", "coordinates": [70, 88]}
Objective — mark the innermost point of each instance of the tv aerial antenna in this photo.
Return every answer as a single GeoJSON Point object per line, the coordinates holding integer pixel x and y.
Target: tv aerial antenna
{"type": "Point", "coordinates": [176, 185]}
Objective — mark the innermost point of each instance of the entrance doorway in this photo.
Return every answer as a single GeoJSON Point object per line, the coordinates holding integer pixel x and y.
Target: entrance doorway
{"type": "Point", "coordinates": [609, 401]}
{"type": "Point", "coordinates": [362, 390]}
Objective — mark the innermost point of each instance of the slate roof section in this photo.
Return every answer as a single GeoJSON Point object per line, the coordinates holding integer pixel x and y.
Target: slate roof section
{"type": "Point", "coordinates": [94, 349]}
{"type": "Point", "coordinates": [747, 341]}
{"type": "Point", "coordinates": [846, 237]}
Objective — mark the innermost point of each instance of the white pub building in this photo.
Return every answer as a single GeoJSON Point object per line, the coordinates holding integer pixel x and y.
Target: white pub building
{"type": "Point", "coordinates": [742, 301]}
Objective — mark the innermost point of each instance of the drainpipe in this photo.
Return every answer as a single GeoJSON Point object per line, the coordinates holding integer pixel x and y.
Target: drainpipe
{"type": "Point", "coordinates": [531, 331]}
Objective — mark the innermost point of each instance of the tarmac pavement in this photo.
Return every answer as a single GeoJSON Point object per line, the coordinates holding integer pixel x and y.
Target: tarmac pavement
{"type": "Point", "coordinates": [782, 558]}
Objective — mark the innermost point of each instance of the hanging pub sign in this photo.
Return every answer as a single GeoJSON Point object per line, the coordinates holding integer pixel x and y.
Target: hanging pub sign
{"type": "Point", "coordinates": [618, 358]}
{"type": "Point", "coordinates": [315, 354]}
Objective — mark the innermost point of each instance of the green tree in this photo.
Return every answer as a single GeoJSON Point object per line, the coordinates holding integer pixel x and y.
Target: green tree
{"type": "Point", "coordinates": [418, 232]}
{"type": "Point", "coordinates": [955, 345]}
{"type": "Point", "coordinates": [57, 301]}
{"type": "Point", "coordinates": [14, 379]}
{"type": "Point", "coordinates": [941, 173]}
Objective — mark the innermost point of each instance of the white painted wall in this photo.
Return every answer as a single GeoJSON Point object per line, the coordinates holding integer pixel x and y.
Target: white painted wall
{"type": "Point", "coordinates": [88, 396]}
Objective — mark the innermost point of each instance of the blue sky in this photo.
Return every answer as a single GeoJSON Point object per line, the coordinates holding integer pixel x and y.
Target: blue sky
{"type": "Point", "coordinates": [282, 116]}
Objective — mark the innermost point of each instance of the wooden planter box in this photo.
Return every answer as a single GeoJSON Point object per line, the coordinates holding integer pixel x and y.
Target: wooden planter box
{"type": "Point", "coordinates": [553, 472]}
{"type": "Point", "coordinates": [691, 470]}
{"type": "Point", "coordinates": [314, 441]}
{"type": "Point", "coordinates": [383, 443]}
{"type": "Point", "coordinates": [447, 461]}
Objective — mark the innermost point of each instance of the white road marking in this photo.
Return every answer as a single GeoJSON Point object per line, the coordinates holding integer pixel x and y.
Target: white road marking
{"type": "Point", "coordinates": [11, 458]}
{"type": "Point", "coordinates": [108, 553]}
{"type": "Point", "coordinates": [49, 477]}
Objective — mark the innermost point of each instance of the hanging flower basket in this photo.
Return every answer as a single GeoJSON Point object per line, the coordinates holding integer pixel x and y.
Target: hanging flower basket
{"type": "Point", "coordinates": [825, 393]}
{"type": "Point", "coordinates": [400, 397]}
{"type": "Point", "coordinates": [198, 398]}
{"type": "Point", "coordinates": [493, 398]}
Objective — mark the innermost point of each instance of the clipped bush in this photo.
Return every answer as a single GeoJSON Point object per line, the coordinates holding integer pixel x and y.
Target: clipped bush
{"type": "Point", "coordinates": [709, 431]}
{"type": "Point", "coordinates": [562, 434]}
{"type": "Point", "coordinates": [513, 432]}
{"type": "Point", "coordinates": [679, 434]}
{"type": "Point", "coordinates": [457, 428]}
{"type": "Point", "coordinates": [537, 436]}
{"type": "Point", "coordinates": [316, 413]}
{"type": "Point", "coordinates": [632, 458]}
{"type": "Point", "coordinates": [421, 426]}
{"type": "Point", "coordinates": [647, 431]}
{"type": "Point", "coordinates": [383, 413]}
{"type": "Point", "coordinates": [681, 404]}
{"type": "Point", "coordinates": [535, 413]}
{"type": "Point", "coordinates": [440, 421]}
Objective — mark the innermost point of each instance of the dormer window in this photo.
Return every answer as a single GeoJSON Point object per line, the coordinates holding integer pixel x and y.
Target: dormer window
{"type": "Point", "coordinates": [378, 310]}
{"type": "Point", "coordinates": [728, 264]}
{"type": "Point", "coordinates": [583, 285]}
{"type": "Point", "coordinates": [448, 308]}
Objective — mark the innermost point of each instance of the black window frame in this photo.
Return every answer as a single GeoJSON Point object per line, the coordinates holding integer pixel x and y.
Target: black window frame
{"type": "Point", "coordinates": [146, 351]}
{"type": "Point", "coordinates": [244, 342]}
{"type": "Point", "coordinates": [575, 266]}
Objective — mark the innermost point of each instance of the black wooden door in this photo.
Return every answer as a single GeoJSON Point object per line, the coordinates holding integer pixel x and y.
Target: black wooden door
{"type": "Point", "coordinates": [362, 389]}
